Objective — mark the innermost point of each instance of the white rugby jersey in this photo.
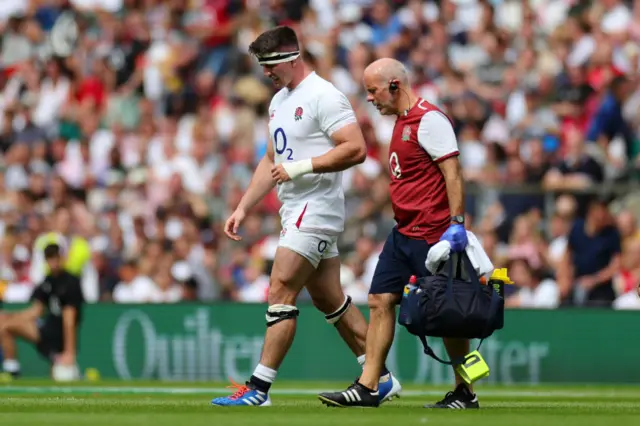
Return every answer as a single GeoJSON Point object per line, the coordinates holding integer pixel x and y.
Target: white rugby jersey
{"type": "Point", "coordinates": [300, 125]}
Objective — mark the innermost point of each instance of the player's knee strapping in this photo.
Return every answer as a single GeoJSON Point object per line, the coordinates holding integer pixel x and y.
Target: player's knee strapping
{"type": "Point", "coordinates": [278, 312]}
{"type": "Point", "coordinates": [334, 317]}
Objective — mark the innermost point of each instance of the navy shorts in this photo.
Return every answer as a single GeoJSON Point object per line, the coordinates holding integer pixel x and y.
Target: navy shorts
{"type": "Point", "coordinates": [51, 341]}
{"type": "Point", "coordinates": [401, 257]}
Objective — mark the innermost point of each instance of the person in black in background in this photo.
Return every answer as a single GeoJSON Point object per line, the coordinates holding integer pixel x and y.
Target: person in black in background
{"type": "Point", "coordinates": [592, 258]}
{"type": "Point", "coordinates": [52, 320]}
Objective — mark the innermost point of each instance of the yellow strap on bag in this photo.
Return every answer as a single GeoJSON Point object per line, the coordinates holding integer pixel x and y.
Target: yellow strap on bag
{"type": "Point", "coordinates": [474, 368]}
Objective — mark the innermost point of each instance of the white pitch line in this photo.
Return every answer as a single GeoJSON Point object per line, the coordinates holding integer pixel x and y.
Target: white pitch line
{"type": "Point", "coordinates": [504, 393]}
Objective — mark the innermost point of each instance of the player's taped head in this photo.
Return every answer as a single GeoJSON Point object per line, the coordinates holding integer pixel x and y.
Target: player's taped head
{"type": "Point", "coordinates": [278, 312]}
{"type": "Point", "coordinates": [334, 317]}
{"type": "Point", "coordinates": [276, 46]}
{"type": "Point", "coordinates": [276, 58]}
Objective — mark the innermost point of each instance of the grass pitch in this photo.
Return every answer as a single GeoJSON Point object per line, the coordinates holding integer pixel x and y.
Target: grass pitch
{"type": "Point", "coordinates": [26, 402]}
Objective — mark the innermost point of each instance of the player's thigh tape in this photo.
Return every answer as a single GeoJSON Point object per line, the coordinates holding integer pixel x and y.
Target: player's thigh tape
{"type": "Point", "coordinates": [278, 312]}
{"type": "Point", "coordinates": [335, 317]}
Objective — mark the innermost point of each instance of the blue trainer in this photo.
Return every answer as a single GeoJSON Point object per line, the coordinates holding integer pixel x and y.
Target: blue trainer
{"type": "Point", "coordinates": [243, 396]}
{"type": "Point", "coordinates": [389, 387]}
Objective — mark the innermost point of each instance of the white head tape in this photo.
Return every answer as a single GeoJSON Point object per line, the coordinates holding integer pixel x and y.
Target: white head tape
{"type": "Point", "coordinates": [277, 57]}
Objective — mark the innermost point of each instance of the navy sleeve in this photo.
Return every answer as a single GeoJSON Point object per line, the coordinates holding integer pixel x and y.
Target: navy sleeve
{"type": "Point", "coordinates": [39, 295]}
{"type": "Point", "coordinates": [615, 245]}
{"type": "Point", "coordinates": [73, 294]}
{"type": "Point", "coordinates": [572, 239]}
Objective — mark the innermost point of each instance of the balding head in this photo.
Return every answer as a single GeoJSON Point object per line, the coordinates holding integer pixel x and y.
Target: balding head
{"type": "Point", "coordinates": [377, 78]}
{"type": "Point", "coordinates": [386, 70]}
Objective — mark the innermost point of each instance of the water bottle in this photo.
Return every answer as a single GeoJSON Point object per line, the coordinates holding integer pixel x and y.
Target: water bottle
{"type": "Point", "coordinates": [404, 316]}
{"type": "Point", "coordinates": [498, 279]}
{"type": "Point", "coordinates": [411, 286]}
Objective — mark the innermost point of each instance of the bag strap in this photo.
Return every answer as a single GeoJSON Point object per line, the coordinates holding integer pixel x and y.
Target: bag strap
{"type": "Point", "coordinates": [471, 272]}
{"type": "Point", "coordinates": [430, 352]}
{"type": "Point", "coordinates": [462, 259]}
{"type": "Point", "coordinates": [493, 309]}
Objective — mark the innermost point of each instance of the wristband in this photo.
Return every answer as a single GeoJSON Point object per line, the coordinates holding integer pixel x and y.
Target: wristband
{"type": "Point", "coordinates": [298, 168]}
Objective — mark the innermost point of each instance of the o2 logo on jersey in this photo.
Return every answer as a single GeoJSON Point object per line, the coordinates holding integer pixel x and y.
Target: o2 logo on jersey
{"type": "Point", "coordinates": [394, 165]}
{"type": "Point", "coordinates": [54, 306]}
{"type": "Point", "coordinates": [280, 142]}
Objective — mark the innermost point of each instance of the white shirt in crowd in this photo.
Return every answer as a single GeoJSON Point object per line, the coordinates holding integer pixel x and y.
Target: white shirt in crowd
{"type": "Point", "coordinates": [545, 296]}
{"type": "Point", "coordinates": [140, 290]}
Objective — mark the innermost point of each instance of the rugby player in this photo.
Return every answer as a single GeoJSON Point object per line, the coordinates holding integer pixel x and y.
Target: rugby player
{"type": "Point", "coordinates": [314, 137]}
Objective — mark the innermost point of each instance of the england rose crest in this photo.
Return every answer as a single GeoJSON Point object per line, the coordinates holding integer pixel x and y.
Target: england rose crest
{"type": "Point", "coordinates": [298, 114]}
{"type": "Point", "coordinates": [406, 133]}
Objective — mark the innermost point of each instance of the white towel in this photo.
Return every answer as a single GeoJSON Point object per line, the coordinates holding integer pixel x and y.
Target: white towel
{"type": "Point", "coordinates": [440, 253]}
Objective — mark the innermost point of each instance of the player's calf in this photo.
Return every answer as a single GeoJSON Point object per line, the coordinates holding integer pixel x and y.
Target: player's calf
{"type": "Point", "coordinates": [348, 321]}
{"type": "Point", "coordinates": [352, 327]}
{"type": "Point", "coordinates": [281, 327]}
{"type": "Point", "coordinates": [255, 392]}
{"type": "Point", "coordinates": [281, 318]}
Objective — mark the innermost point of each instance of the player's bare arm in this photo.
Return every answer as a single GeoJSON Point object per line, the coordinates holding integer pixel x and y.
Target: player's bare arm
{"type": "Point", "coordinates": [350, 150]}
{"type": "Point", "coordinates": [452, 173]}
{"type": "Point", "coordinates": [69, 320]}
{"type": "Point", "coordinates": [260, 185]}
{"type": "Point", "coordinates": [32, 313]}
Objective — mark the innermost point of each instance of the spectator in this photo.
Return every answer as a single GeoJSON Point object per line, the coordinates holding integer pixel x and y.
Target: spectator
{"type": "Point", "coordinates": [592, 259]}
{"type": "Point", "coordinates": [627, 281]}
{"type": "Point", "coordinates": [534, 291]}
{"type": "Point", "coordinates": [133, 286]}
{"type": "Point", "coordinates": [133, 127]}
{"type": "Point", "coordinates": [18, 287]}
{"type": "Point", "coordinates": [609, 123]}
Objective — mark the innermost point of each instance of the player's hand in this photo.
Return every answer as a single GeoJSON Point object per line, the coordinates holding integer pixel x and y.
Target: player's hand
{"type": "Point", "coordinates": [279, 174]}
{"type": "Point", "coordinates": [233, 223]}
{"type": "Point", "coordinates": [66, 358]}
{"type": "Point", "coordinates": [457, 237]}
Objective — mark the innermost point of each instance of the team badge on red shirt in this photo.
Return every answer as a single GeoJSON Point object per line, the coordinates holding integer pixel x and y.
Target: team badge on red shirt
{"type": "Point", "coordinates": [298, 114]}
{"type": "Point", "coordinates": [406, 133]}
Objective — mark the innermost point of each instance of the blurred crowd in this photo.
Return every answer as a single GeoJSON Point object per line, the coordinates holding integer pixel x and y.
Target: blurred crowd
{"type": "Point", "coordinates": [129, 130]}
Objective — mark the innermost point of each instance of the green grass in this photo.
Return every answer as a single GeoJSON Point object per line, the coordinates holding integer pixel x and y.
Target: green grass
{"type": "Point", "coordinates": [27, 402]}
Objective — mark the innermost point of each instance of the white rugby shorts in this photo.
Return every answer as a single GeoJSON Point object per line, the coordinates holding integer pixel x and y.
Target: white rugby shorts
{"type": "Point", "coordinates": [312, 246]}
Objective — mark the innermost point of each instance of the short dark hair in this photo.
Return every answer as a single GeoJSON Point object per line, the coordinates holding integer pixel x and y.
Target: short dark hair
{"type": "Point", "coordinates": [274, 39]}
{"type": "Point", "coordinates": [617, 82]}
{"type": "Point", "coordinates": [600, 199]}
{"type": "Point", "coordinates": [51, 251]}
